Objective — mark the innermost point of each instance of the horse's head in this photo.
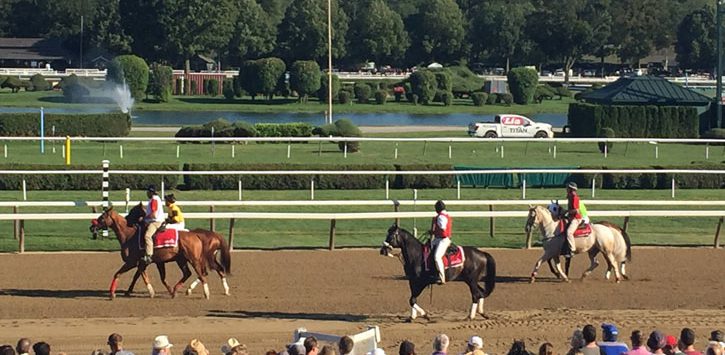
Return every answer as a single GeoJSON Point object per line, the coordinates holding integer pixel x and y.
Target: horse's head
{"type": "Point", "coordinates": [555, 209]}
{"type": "Point", "coordinates": [538, 215]}
{"type": "Point", "coordinates": [135, 215]}
{"type": "Point", "coordinates": [104, 221]}
{"type": "Point", "coordinates": [392, 240]}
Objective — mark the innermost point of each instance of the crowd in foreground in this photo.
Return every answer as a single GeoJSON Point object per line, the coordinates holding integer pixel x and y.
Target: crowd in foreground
{"type": "Point", "coordinates": [583, 341]}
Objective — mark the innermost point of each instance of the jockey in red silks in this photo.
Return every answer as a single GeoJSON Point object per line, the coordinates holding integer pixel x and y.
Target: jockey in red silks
{"type": "Point", "coordinates": [441, 230]}
{"type": "Point", "coordinates": [577, 215]}
{"type": "Point", "coordinates": [153, 219]}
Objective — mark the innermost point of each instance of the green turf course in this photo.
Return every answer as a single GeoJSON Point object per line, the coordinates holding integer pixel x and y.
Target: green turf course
{"type": "Point", "coordinates": [74, 235]}
{"type": "Point", "coordinates": [482, 153]}
{"type": "Point", "coordinates": [53, 99]}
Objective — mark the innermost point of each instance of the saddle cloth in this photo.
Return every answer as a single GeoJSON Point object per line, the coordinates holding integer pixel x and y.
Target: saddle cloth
{"type": "Point", "coordinates": [582, 231]}
{"type": "Point", "coordinates": [453, 257]}
{"type": "Point", "coordinates": [168, 238]}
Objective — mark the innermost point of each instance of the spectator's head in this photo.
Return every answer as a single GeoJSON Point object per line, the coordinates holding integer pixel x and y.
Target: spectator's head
{"type": "Point", "coordinates": [345, 344]}
{"type": "Point", "coordinates": [546, 349]}
{"type": "Point", "coordinates": [440, 343]}
{"type": "Point", "coordinates": [195, 347]}
{"type": "Point", "coordinates": [475, 343]}
{"type": "Point", "coordinates": [23, 346]}
{"type": "Point", "coordinates": [328, 350]}
{"type": "Point", "coordinates": [270, 352]}
{"type": "Point", "coordinates": [518, 348]}
{"type": "Point", "coordinates": [636, 338]}
{"type": "Point", "coordinates": [717, 336]}
{"type": "Point", "coordinates": [687, 336]}
{"type": "Point", "coordinates": [296, 349]}
{"type": "Point", "coordinates": [609, 332]}
{"type": "Point", "coordinates": [115, 342]}
{"type": "Point", "coordinates": [162, 345]}
{"type": "Point", "coordinates": [714, 348]}
{"type": "Point", "coordinates": [41, 348]}
{"type": "Point", "coordinates": [98, 352]}
{"type": "Point", "coordinates": [656, 341]}
{"type": "Point", "coordinates": [577, 339]}
{"type": "Point", "coordinates": [229, 345]}
{"type": "Point", "coordinates": [311, 347]}
{"type": "Point", "coordinates": [670, 344]}
{"type": "Point", "coordinates": [7, 350]}
{"type": "Point", "coordinates": [406, 348]}
{"type": "Point", "coordinates": [589, 333]}
{"type": "Point", "coordinates": [241, 349]}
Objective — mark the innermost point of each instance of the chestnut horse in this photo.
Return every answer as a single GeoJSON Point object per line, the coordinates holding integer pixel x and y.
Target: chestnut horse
{"type": "Point", "coordinates": [190, 250]}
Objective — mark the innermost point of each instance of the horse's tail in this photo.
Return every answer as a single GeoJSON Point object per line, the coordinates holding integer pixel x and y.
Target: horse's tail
{"type": "Point", "coordinates": [490, 279]}
{"type": "Point", "coordinates": [225, 254]}
{"type": "Point", "coordinates": [628, 242]}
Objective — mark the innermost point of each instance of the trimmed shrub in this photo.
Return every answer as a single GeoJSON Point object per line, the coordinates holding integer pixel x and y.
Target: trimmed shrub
{"type": "Point", "coordinates": [228, 89]}
{"type": "Point", "coordinates": [586, 120]}
{"type": "Point", "coordinates": [344, 97]}
{"type": "Point", "coordinates": [322, 93]}
{"type": "Point", "coordinates": [2, 80]}
{"type": "Point", "coordinates": [243, 129]}
{"type": "Point", "coordinates": [133, 71]}
{"type": "Point", "coordinates": [606, 132]}
{"type": "Point", "coordinates": [479, 98]}
{"type": "Point", "coordinates": [444, 80]}
{"type": "Point", "coordinates": [194, 88]}
{"type": "Point", "coordinates": [562, 92]}
{"type": "Point", "coordinates": [522, 83]}
{"type": "Point", "coordinates": [506, 99]}
{"type": "Point", "coordinates": [715, 133]}
{"type": "Point", "coordinates": [304, 78]}
{"type": "Point", "coordinates": [179, 84]}
{"type": "Point", "coordinates": [345, 128]}
{"type": "Point", "coordinates": [409, 92]}
{"type": "Point", "coordinates": [248, 80]}
{"type": "Point", "coordinates": [73, 89]}
{"type": "Point", "coordinates": [13, 83]}
{"type": "Point", "coordinates": [94, 125]}
{"type": "Point", "coordinates": [362, 93]}
{"type": "Point", "coordinates": [492, 98]}
{"type": "Point", "coordinates": [269, 72]}
{"type": "Point", "coordinates": [38, 83]}
{"type": "Point", "coordinates": [423, 181]}
{"type": "Point", "coordinates": [447, 98]}
{"type": "Point", "coordinates": [424, 84]}
{"type": "Point", "coordinates": [655, 181]}
{"type": "Point", "coordinates": [212, 87]}
{"type": "Point", "coordinates": [297, 129]}
{"type": "Point", "coordinates": [415, 99]}
{"type": "Point", "coordinates": [381, 96]}
{"type": "Point", "coordinates": [160, 82]}
{"type": "Point", "coordinates": [82, 182]}
{"type": "Point", "coordinates": [543, 92]}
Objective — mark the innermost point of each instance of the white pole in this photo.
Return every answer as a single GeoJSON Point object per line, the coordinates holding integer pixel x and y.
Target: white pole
{"type": "Point", "coordinates": [128, 198]}
{"type": "Point", "coordinates": [233, 152]}
{"type": "Point", "coordinates": [312, 189]}
{"type": "Point", "coordinates": [239, 188]}
{"type": "Point", "coordinates": [657, 152]}
{"type": "Point", "coordinates": [415, 220]}
{"type": "Point", "coordinates": [163, 186]}
{"type": "Point", "coordinates": [345, 150]}
{"type": "Point", "coordinates": [458, 188]}
{"type": "Point", "coordinates": [25, 192]}
{"type": "Point", "coordinates": [501, 151]}
{"type": "Point", "coordinates": [396, 152]}
{"type": "Point", "coordinates": [289, 150]}
{"type": "Point", "coordinates": [606, 148]}
{"type": "Point", "coordinates": [177, 151]}
{"type": "Point", "coordinates": [707, 152]}
{"type": "Point", "coordinates": [523, 189]}
{"type": "Point", "coordinates": [5, 150]}
{"type": "Point", "coordinates": [554, 151]}
{"type": "Point", "coordinates": [673, 187]}
{"type": "Point", "coordinates": [450, 152]}
{"type": "Point", "coordinates": [387, 189]}
{"type": "Point", "coordinates": [120, 151]}
{"type": "Point", "coordinates": [594, 183]}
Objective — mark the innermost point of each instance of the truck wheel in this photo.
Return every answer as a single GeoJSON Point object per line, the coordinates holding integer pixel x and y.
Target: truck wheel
{"type": "Point", "coordinates": [490, 134]}
{"type": "Point", "coordinates": [541, 134]}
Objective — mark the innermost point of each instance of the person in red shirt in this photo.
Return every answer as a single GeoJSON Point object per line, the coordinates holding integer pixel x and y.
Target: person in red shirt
{"type": "Point", "coordinates": [575, 219]}
{"type": "Point", "coordinates": [441, 230]}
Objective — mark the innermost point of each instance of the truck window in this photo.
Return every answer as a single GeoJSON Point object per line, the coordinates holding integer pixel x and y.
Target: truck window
{"type": "Point", "coordinates": [497, 119]}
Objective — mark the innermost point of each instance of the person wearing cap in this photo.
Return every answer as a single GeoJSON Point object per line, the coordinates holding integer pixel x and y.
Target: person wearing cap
{"type": "Point", "coordinates": [153, 219]}
{"type": "Point", "coordinates": [174, 217]}
{"type": "Point", "coordinates": [610, 345]}
{"type": "Point", "coordinates": [230, 344]}
{"type": "Point", "coordinates": [672, 346]}
{"type": "Point", "coordinates": [161, 345]}
{"type": "Point", "coordinates": [577, 215]}
{"type": "Point", "coordinates": [441, 228]}
{"type": "Point", "coordinates": [195, 347]}
{"type": "Point", "coordinates": [474, 346]}
{"type": "Point", "coordinates": [656, 342]}
{"type": "Point", "coordinates": [115, 342]}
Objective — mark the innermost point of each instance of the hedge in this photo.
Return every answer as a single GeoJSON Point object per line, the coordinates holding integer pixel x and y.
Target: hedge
{"type": "Point", "coordinates": [132, 70]}
{"type": "Point", "coordinates": [586, 120]}
{"type": "Point", "coordinates": [95, 125]}
{"type": "Point", "coordinates": [362, 92]}
{"type": "Point", "coordinates": [655, 181]}
{"type": "Point", "coordinates": [479, 98]}
{"type": "Point", "coordinates": [86, 181]}
{"type": "Point", "coordinates": [522, 83]}
{"type": "Point", "coordinates": [223, 128]}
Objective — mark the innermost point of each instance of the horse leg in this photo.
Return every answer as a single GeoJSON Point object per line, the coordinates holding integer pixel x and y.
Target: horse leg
{"type": "Point", "coordinates": [613, 264]}
{"type": "Point", "coordinates": [147, 281]}
{"type": "Point", "coordinates": [550, 262]}
{"type": "Point", "coordinates": [536, 269]}
{"type": "Point", "coordinates": [480, 306]}
{"type": "Point", "coordinates": [621, 270]}
{"type": "Point", "coordinates": [201, 273]}
{"type": "Point", "coordinates": [415, 291]}
{"type": "Point", "coordinates": [192, 286]}
{"type": "Point", "coordinates": [162, 274]}
{"type": "Point", "coordinates": [593, 263]}
{"type": "Point", "coordinates": [133, 282]}
{"type": "Point", "coordinates": [185, 274]}
{"type": "Point", "coordinates": [114, 283]}
{"type": "Point", "coordinates": [565, 278]}
{"type": "Point", "coordinates": [476, 297]}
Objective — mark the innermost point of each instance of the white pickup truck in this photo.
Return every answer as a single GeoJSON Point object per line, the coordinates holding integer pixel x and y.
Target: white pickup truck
{"type": "Point", "coordinates": [507, 126]}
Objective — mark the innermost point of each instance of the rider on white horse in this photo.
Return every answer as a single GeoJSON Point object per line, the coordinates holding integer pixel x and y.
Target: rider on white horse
{"type": "Point", "coordinates": [441, 231]}
{"type": "Point", "coordinates": [577, 215]}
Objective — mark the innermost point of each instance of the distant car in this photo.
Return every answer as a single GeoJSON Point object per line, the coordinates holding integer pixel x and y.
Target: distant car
{"type": "Point", "coordinates": [508, 126]}
{"type": "Point", "coordinates": [559, 72]}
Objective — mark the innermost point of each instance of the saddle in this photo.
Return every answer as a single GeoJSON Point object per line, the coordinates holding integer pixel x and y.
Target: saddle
{"type": "Point", "coordinates": [584, 229]}
{"type": "Point", "coordinates": [163, 238]}
{"type": "Point", "coordinates": [453, 258]}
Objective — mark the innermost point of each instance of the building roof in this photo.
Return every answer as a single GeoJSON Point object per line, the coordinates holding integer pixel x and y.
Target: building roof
{"type": "Point", "coordinates": [645, 90]}
{"type": "Point", "coordinates": [31, 49]}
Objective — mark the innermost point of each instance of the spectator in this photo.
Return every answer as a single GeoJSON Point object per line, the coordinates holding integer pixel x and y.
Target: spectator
{"type": "Point", "coordinates": [345, 345]}
{"type": "Point", "coordinates": [656, 342]}
{"type": "Point", "coordinates": [328, 350]}
{"type": "Point", "coordinates": [161, 345]}
{"type": "Point", "coordinates": [195, 347]}
{"type": "Point", "coordinates": [231, 343]}
{"type": "Point", "coordinates": [475, 346]}
{"type": "Point", "coordinates": [714, 348]}
{"type": "Point", "coordinates": [269, 352]}
{"type": "Point", "coordinates": [671, 347]}
{"type": "Point", "coordinates": [546, 349]}
{"type": "Point", "coordinates": [23, 347]}
{"type": "Point", "coordinates": [590, 340]}
{"type": "Point", "coordinates": [7, 350]}
{"type": "Point", "coordinates": [637, 342]}
{"type": "Point", "coordinates": [377, 351]}
{"type": "Point", "coordinates": [440, 344]}
{"type": "Point", "coordinates": [115, 342]}
{"type": "Point", "coordinates": [242, 350]}
{"type": "Point", "coordinates": [296, 349]}
{"type": "Point", "coordinates": [717, 336]}
{"type": "Point", "coordinates": [41, 348]}
{"type": "Point", "coordinates": [311, 347]}
{"type": "Point", "coordinates": [519, 348]}
{"type": "Point", "coordinates": [687, 341]}
{"type": "Point", "coordinates": [406, 348]}
{"type": "Point", "coordinates": [98, 352]}
{"type": "Point", "coordinates": [610, 345]}
{"type": "Point", "coordinates": [577, 342]}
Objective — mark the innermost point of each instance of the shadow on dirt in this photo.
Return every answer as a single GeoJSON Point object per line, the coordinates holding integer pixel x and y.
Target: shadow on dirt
{"type": "Point", "coordinates": [35, 293]}
{"type": "Point", "coordinates": [287, 315]}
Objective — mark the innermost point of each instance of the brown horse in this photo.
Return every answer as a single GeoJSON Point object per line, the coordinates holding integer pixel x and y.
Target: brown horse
{"type": "Point", "coordinates": [213, 243]}
{"type": "Point", "coordinates": [190, 250]}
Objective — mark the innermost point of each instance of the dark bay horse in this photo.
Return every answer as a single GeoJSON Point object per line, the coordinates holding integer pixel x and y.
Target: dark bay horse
{"type": "Point", "coordinates": [190, 250]}
{"type": "Point", "coordinates": [478, 266]}
{"type": "Point", "coordinates": [213, 243]}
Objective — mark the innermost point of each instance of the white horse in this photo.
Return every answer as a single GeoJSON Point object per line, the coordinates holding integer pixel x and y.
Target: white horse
{"type": "Point", "coordinates": [607, 238]}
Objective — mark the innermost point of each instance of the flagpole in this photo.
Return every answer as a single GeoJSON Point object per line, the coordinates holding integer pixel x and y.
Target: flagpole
{"type": "Point", "coordinates": [42, 131]}
{"type": "Point", "coordinates": [329, 60]}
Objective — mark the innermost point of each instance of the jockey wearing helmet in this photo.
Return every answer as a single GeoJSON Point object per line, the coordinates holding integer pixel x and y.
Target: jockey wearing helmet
{"type": "Point", "coordinates": [577, 215]}
{"type": "Point", "coordinates": [441, 230]}
{"type": "Point", "coordinates": [153, 219]}
{"type": "Point", "coordinates": [174, 219]}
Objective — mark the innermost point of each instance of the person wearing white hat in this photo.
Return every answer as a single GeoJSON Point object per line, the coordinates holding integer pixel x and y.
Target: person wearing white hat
{"type": "Point", "coordinates": [231, 344]}
{"type": "Point", "coordinates": [161, 345]}
{"type": "Point", "coordinates": [474, 346]}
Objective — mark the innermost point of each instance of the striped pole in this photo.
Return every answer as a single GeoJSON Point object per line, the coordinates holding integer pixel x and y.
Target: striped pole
{"type": "Point", "coordinates": [104, 192]}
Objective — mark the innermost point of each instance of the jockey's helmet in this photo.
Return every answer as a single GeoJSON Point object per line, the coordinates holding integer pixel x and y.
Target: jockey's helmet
{"type": "Point", "coordinates": [151, 189]}
{"type": "Point", "coordinates": [440, 206]}
{"type": "Point", "coordinates": [170, 198]}
{"type": "Point", "coordinates": [572, 185]}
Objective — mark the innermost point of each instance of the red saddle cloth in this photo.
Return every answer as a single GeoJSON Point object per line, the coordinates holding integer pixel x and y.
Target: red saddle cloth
{"type": "Point", "coordinates": [453, 257]}
{"type": "Point", "coordinates": [169, 238]}
{"type": "Point", "coordinates": [583, 231]}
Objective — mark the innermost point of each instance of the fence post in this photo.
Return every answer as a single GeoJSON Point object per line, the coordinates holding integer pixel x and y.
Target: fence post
{"type": "Point", "coordinates": [492, 223]}
{"type": "Point", "coordinates": [333, 222]}
{"type": "Point", "coordinates": [528, 240]}
{"type": "Point", "coordinates": [396, 207]}
{"type": "Point", "coordinates": [717, 232]}
{"type": "Point", "coordinates": [16, 224]}
{"type": "Point", "coordinates": [21, 243]}
{"type": "Point", "coordinates": [387, 188]}
{"type": "Point", "coordinates": [626, 224]}
{"type": "Point", "coordinates": [104, 192]}
{"type": "Point", "coordinates": [212, 221]}
{"type": "Point", "coordinates": [231, 234]}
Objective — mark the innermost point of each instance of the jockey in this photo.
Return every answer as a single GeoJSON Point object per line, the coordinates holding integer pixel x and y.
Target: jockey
{"type": "Point", "coordinates": [153, 219]}
{"type": "Point", "coordinates": [577, 215]}
{"type": "Point", "coordinates": [174, 217]}
{"type": "Point", "coordinates": [441, 230]}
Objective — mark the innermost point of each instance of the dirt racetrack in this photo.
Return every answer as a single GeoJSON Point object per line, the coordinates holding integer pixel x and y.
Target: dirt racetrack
{"type": "Point", "coordinates": [62, 299]}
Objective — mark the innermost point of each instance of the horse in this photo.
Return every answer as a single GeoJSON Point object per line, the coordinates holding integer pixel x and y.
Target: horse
{"type": "Point", "coordinates": [606, 237]}
{"type": "Point", "coordinates": [478, 266]}
{"type": "Point", "coordinates": [213, 242]}
{"type": "Point", "coordinates": [190, 250]}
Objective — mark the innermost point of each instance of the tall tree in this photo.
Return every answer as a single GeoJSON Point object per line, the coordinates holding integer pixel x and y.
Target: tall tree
{"type": "Point", "coordinates": [642, 26]}
{"type": "Point", "coordinates": [139, 19]}
{"type": "Point", "coordinates": [303, 32]}
{"type": "Point", "coordinates": [254, 34]}
{"type": "Point", "coordinates": [379, 33]}
{"type": "Point", "coordinates": [407, 8]}
{"type": "Point", "coordinates": [437, 32]}
{"type": "Point", "coordinates": [107, 31]}
{"type": "Point", "coordinates": [696, 38]}
{"type": "Point", "coordinates": [275, 9]}
{"type": "Point", "coordinates": [497, 28]}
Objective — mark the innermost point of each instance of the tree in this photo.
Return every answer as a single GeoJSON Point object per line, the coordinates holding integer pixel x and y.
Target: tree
{"type": "Point", "coordinates": [140, 20]}
{"type": "Point", "coordinates": [324, 91]}
{"type": "Point", "coordinates": [304, 77]}
{"type": "Point", "coordinates": [303, 32]}
{"type": "Point", "coordinates": [642, 26]}
{"type": "Point", "coordinates": [269, 72]}
{"type": "Point", "coordinates": [275, 9]}
{"type": "Point", "coordinates": [424, 84]}
{"type": "Point", "coordinates": [107, 31]}
{"type": "Point", "coordinates": [696, 38]}
{"type": "Point", "coordinates": [497, 28]}
{"type": "Point", "coordinates": [379, 34]}
{"type": "Point", "coordinates": [523, 83]}
{"type": "Point", "coordinates": [160, 82]}
{"type": "Point", "coordinates": [254, 33]}
{"type": "Point", "coordinates": [131, 70]}
{"type": "Point", "coordinates": [438, 32]}
{"type": "Point", "coordinates": [247, 79]}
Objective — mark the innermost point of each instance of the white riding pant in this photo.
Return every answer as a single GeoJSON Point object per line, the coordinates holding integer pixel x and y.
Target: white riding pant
{"type": "Point", "coordinates": [151, 228]}
{"type": "Point", "coordinates": [440, 245]}
{"type": "Point", "coordinates": [177, 226]}
{"type": "Point", "coordinates": [570, 233]}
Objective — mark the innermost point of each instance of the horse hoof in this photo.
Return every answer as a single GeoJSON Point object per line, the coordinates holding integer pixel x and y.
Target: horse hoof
{"type": "Point", "coordinates": [188, 292]}
{"type": "Point", "coordinates": [567, 280]}
{"type": "Point", "coordinates": [426, 317]}
{"type": "Point", "coordinates": [409, 320]}
{"type": "Point", "coordinates": [625, 277]}
{"type": "Point", "coordinates": [112, 297]}
{"type": "Point", "coordinates": [532, 280]}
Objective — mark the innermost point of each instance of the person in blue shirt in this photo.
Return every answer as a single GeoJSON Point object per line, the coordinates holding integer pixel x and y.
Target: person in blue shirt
{"type": "Point", "coordinates": [610, 345]}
